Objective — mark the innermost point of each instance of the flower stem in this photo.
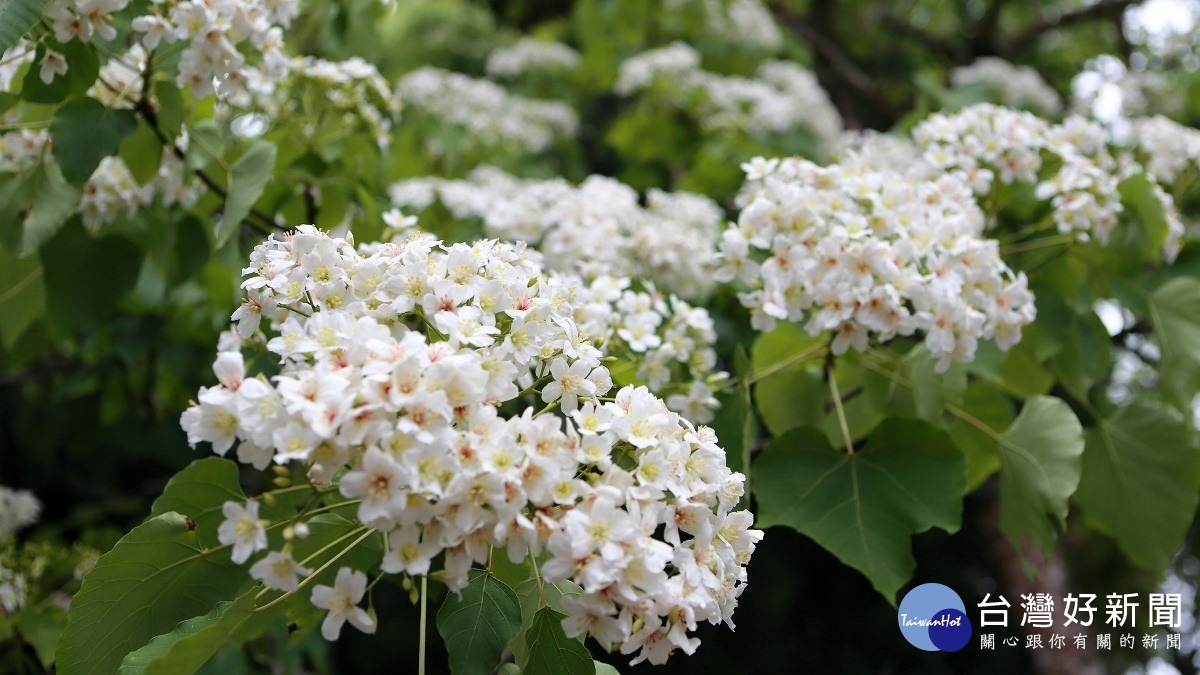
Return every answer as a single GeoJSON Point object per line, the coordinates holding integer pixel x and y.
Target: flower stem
{"type": "Point", "coordinates": [837, 403]}
{"type": "Point", "coordinates": [424, 620]}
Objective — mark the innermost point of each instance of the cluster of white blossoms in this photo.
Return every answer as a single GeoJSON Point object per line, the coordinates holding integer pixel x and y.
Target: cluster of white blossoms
{"type": "Point", "coordinates": [781, 97]}
{"type": "Point", "coordinates": [119, 84]}
{"type": "Point", "coordinates": [862, 252]}
{"type": "Point", "coordinates": [1166, 148]}
{"type": "Point", "coordinates": [987, 143]}
{"type": "Point", "coordinates": [748, 22]}
{"type": "Point", "coordinates": [111, 191]}
{"type": "Point", "coordinates": [18, 509]}
{"type": "Point", "coordinates": [344, 95]}
{"type": "Point", "coordinates": [531, 55]}
{"type": "Point", "coordinates": [670, 241]}
{"type": "Point", "coordinates": [1013, 85]}
{"type": "Point", "coordinates": [222, 38]}
{"type": "Point", "coordinates": [491, 116]}
{"type": "Point", "coordinates": [473, 411]}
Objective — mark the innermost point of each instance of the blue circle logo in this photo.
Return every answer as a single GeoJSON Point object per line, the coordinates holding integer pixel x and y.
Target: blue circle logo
{"type": "Point", "coordinates": [932, 617]}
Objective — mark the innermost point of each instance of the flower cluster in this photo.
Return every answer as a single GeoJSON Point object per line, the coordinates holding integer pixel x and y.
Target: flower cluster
{"type": "Point", "coordinates": [864, 252]}
{"type": "Point", "coordinates": [491, 116]}
{"type": "Point", "coordinates": [669, 241]}
{"type": "Point", "coordinates": [111, 191]}
{"type": "Point", "coordinates": [531, 55]}
{"type": "Point", "coordinates": [749, 22]}
{"type": "Point", "coordinates": [781, 97]}
{"type": "Point", "coordinates": [985, 143]}
{"type": "Point", "coordinates": [1014, 86]}
{"type": "Point", "coordinates": [119, 84]}
{"type": "Point", "coordinates": [220, 37]}
{"type": "Point", "coordinates": [413, 363]}
{"type": "Point", "coordinates": [1167, 148]}
{"type": "Point", "coordinates": [348, 95]}
{"type": "Point", "coordinates": [670, 341]}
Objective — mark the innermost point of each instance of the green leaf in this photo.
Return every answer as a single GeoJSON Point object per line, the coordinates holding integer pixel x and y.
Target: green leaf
{"type": "Point", "coordinates": [198, 492]}
{"type": "Point", "coordinates": [192, 643]}
{"type": "Point", "coordinates": [478, 623]}
{"type": "Point", "coordinates": [1148, 222]}
{"type": "Point", "coordinates": [1141, 474]}
{"type": "Point", "coordinates": [170, 108]}
{"type": "Point", "coordinates": [991, 407]}
{"type": "Point", "coordinates": [83, 67]}
{"type": "Point", "coordinates": [85, 132]}
{"type": "Point", "coordinates": [551, 652]}
{"type": "Point", "coordinates": [534, 596]}
{"type": "Point", "coordinates": [509, 573]}
{"type": "Point", "coordinates": [42, 201]}
{"type": "Point", "coordinates": [1175, 312]}
{"type": "Point", "coordinates": [1039, 471]}
{"type": "Point", "coordinates": [53, 202]}
{"type": "Point", "coordinates": [154, 577]}
{"type": "Point", "coordinates": [247, 179]}
{"type": "Point", "coordinates": [863, 508]}
{"type": "Point", "coordinates": [142, 153]}
{"type": "Point", "coordinates": [605, 669]}
{"type": "Point", "coordinates": [790, 396]}
{"type": "Point", "coordinates": [85, 278]}
{"type": "Point", "coordinates": [16, 18]}
{"type": "Point", "coordinates": [22, 296]}
{"type": "Point", "coordinates": [911, 386]}
{"type": "Point", "coordinates": [40, 629]}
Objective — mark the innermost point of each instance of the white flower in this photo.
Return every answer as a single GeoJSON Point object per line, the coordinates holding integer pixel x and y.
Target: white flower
{"type": "Point", "coordinates": [570, 382]}
{"type": "Point", "coordinates": [279, 571]}
{"type": "Point", "coordinates": [409, 552]}
{"type": "Point", "coordinates": [242, 529]}
{"type": "Point", "coordinates": [53, 64]}
{"type": "Point", "coordinates": [342, 602]}
{"type": "Point", "coordinates": [18, 508]}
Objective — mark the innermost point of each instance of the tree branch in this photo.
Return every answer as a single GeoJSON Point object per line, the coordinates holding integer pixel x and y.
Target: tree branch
{"type": "Point", "coordinates": [145, 109]}
{"type": "Point", "coordinates": [939, 46]}
{"type": "Point", "coordinates": [834, 66]}
{"type": "Point", "coordinates": [1032, 33]}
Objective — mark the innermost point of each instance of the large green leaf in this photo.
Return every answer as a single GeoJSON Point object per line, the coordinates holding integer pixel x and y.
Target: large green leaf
{"type": "Point", "coordinates": [909, 385]}
{"type": "Point", "coordinates": [86, 277]}
{"type": "Point", "coordinates": [42, 201]}
{"type": "Point", "coordinates": [535, 595]}
{"type": "Point", "coordinates": [198, 492]}
{"type": "Point", "coordinates": [142, 153]}
{"type": "Point", "coordinates": [155, 577]}
{"type": "Point", "coordinates": [1039, 471]}
{"type": "Point", "coordinates": [789, 396]}
{"type": "Point", "coordinates": [22, 296]}
{"type": "Point", "coordinates": [1141, 481]}
{"type": "Point", "coordinates": [16, 18]}
{"type": "Point", "coordinates": [84, 132]}
{"type": "Point", "coordinates": [247, 179]}
{"type": "Point", "coordinates": [478, 623]}
{"type": "Point", "coordinates": [864, 507]}
{"type": "Point", "coordinates": [551, 652]}
{"type": "Point", "coordinates": [986, 405]}
{"type": "Point", "coordinates": [1175, 312]}
{"type": "Point", "coordinates": [1145, 219]}
{"type": "Point", "coordinates": [187, 648]}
